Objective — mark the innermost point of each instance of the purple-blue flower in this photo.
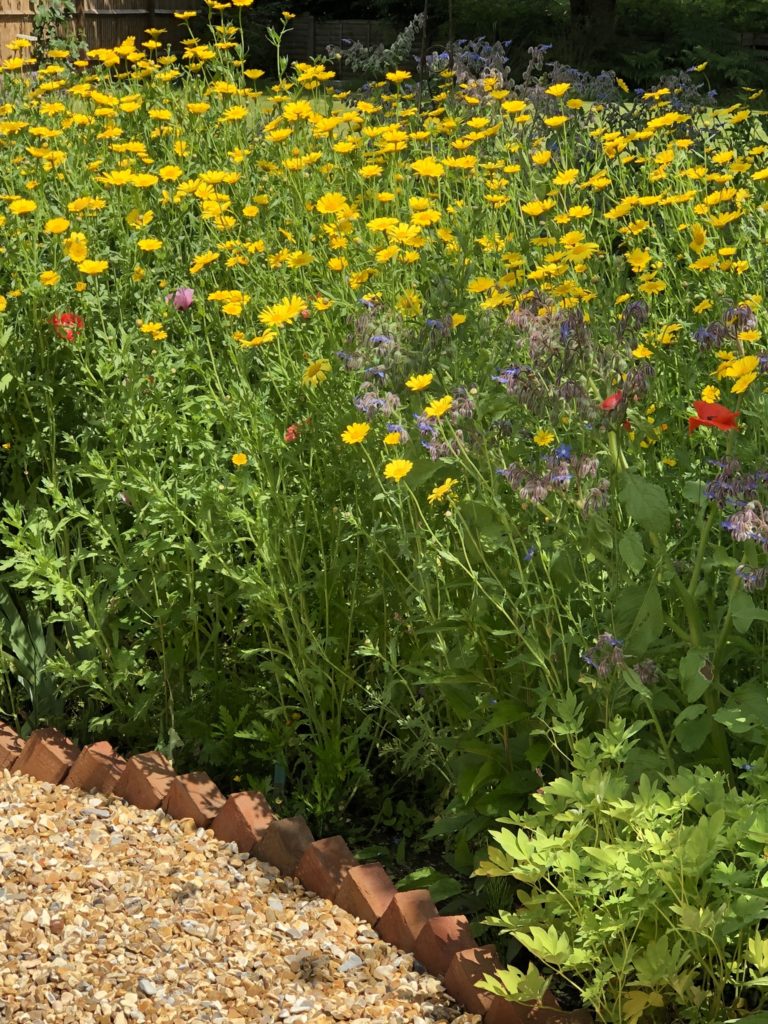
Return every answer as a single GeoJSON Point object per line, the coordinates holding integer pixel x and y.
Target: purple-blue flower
{"type": "Point", "coordinates": [395, 428]}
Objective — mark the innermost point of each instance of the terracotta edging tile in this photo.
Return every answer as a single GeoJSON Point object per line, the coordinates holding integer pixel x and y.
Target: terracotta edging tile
{"type": "Point", "coordinates": [466, 967]}
{"type": "Point", "coordinates": [284, 843]}
{"type": "Point", "coordinates": [324, 864]}
{"type": "Point", "coordinates": [366, 891]}
{"type": "Point", "coordinates": [243, 820]}
{"type": "Point", "coordinates": [47, 755]}
{"type": "Point", "coordinates": [408, 920]}
{"type": "Point", "coordinates": [439, 939]}
{"type": "Point", "coordinates": [146, 780]}
{"type": "Point", "coordinates": [11, 746]}
{"type": "Point", "coordinates": [98, 767]}
{"type": "Point", "coordinates": [404, 918]}
{"type": "Point", "coordinates": [194, 796]}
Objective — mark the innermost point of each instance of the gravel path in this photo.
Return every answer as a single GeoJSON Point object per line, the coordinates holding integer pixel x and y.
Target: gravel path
{"type": "Point", "coordinates": [110, 914]}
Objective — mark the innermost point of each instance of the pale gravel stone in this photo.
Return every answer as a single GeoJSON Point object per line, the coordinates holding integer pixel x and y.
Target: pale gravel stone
{"type": "Point", "coordinates": [352, 962]}
{"type": "Point", "coordinates": [114, 915]}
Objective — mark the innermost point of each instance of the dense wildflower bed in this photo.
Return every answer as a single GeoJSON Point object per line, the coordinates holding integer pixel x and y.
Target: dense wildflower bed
{"type": "Point", "coordinates": [381, 443]}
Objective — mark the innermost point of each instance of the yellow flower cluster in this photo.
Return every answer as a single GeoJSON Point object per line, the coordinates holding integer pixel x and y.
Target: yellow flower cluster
{"type": "Point", "coordinates": [338, 202]}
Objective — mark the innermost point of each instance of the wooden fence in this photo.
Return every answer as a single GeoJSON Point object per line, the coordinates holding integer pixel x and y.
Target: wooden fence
{"type": "Point", "coordinates": [15, 20]}
{"type": "Point", "coordinates": [309, 36]}
{"type": "Point", "coordinates": [105, 23]}
{"type": "Point", "coordinates": [757, 42]}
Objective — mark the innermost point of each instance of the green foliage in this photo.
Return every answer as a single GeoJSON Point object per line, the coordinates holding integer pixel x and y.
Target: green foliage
{"type": "Point", "coordinates": [375, 61]}
{"type": "Point", "coordinates": [52, 24]}
{"type": "Point", "coordinates": [648, 40]}
{"type": "Point", "coordinates": [648, 897]}
{"type": "Point", "coordinates": [193, 558]}
{"type": "Point", "coordinates": [678, 33]}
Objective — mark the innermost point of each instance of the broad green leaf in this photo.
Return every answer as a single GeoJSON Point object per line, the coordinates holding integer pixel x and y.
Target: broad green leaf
{"type": "Point", "coordinates": [549, 945]}
{"type": "Point", "coordinates": [746, 709]}
{"type": "Point", "coordinates": [658, 962]}
{"type": "Point", "coordinates": [485, 524]}
{"type": "Point", "coordinates": [648, 624]}
{"type": "Point", "coordinates": [645, 502]}
{"type": "Point", "coordinates": [745, 611]}
{"type": "Point", "coordinates": [598, 536]}
{"type": "Point", "coordinates": [699, 920]}
{"type": "Point", "coordinates": [693, 491]}
{"type": "Point", "coordinates": [441, 887]}
{"type": "Point", "coordinates": [505, 712]}
{"type": "Point", "coordinates": [511, 984]}
{"type": "Point", "coordinates": [563, 570]}
{"type": "Point", "coordinates": [609, 855]}
{"type": "Point", "coordinates": [563, 787]}
{"type": "Point", "coordinates": [734, 720]}
{"type": "Point", "coordinates": [632, 551]}
{"type": "Point", "coordinates": [692, 679]}
{"type": "Point", "coordinates": [634, 682]}
{"type": "Point", "coordinates": [626, 607]}
{"type": "Point", "coordinates": [692, 726]}
{"type": "Point", "coordinates": [635, 1004]}
{"type": "Point", "coordinates": [718, 555]}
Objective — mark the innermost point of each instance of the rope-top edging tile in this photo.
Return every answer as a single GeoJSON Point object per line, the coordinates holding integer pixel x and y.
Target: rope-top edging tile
{"type": "Point", "coordinates": [409, 920]}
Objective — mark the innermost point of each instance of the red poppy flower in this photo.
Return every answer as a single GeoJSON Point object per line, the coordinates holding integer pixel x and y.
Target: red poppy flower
{"type": "Point", "coordinates": [291, 433]}
{"type": "Point", "coordinates": [67, 325]}
{"type": "Point", "coordinates": [612, 401]}
{"type": "Point", "coordinates": [711, 414]}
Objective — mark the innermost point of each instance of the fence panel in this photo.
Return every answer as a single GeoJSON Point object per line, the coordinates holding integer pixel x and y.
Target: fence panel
{"type": "Point", "coordinates": [106, 23]}
{"type": "Point", "coordinates": [309, 36]}
{"type": "Point", "coordinates": [15, 20]}
{"type": "Point", "coordinates": [299, 43]}
{"type": "Point", "coordinates": [109, 22]}
{"type": "Point", "coordinates": [757, 42]}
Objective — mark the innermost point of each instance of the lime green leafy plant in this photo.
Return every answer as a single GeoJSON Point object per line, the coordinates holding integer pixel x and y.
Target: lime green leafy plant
{"type": "Point", "coordinates": [648, 898]}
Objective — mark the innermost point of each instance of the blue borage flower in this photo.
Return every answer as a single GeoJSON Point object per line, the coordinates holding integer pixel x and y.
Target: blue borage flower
{"type": "Point", "coordinates": [510, 377]}
{"type": "Point", "coordinates": [535, 487]}
{"type": "Point", "coordinates": [443, 449]}
{"type": "Point", "coordinates": [605, 655]}
{"type": "Point", "coordinates": [351, 360]}
{"type": "Point", "coordinates": [370, 402]}
{"type": "Point", "coordinates": [753, 579]}
{"type": "Point", "coordinates": [395, 428]}
{"type": "Point", "coordinates": [463, 405]}
{"type": "Point", "coordinates": [443, 326]}
{"type": "Point", "coordinates": [748, 523]}
{"type": "Point", "coordinates": [426, 426]}
{"type": "Point", "coordinates": [559, 474]}
{"type": "Point", "coordinates": [730, 487]}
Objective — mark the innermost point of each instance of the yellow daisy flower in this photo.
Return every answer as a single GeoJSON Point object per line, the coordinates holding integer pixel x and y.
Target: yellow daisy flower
{"type": "Point", "coordinates": [355, 433]}
{"type": "Point", "coordinates": [397, 469]}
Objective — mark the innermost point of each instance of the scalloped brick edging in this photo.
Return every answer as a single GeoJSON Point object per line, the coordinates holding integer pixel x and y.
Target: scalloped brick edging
{"type": "Point", "coordinates": [408, 920]}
